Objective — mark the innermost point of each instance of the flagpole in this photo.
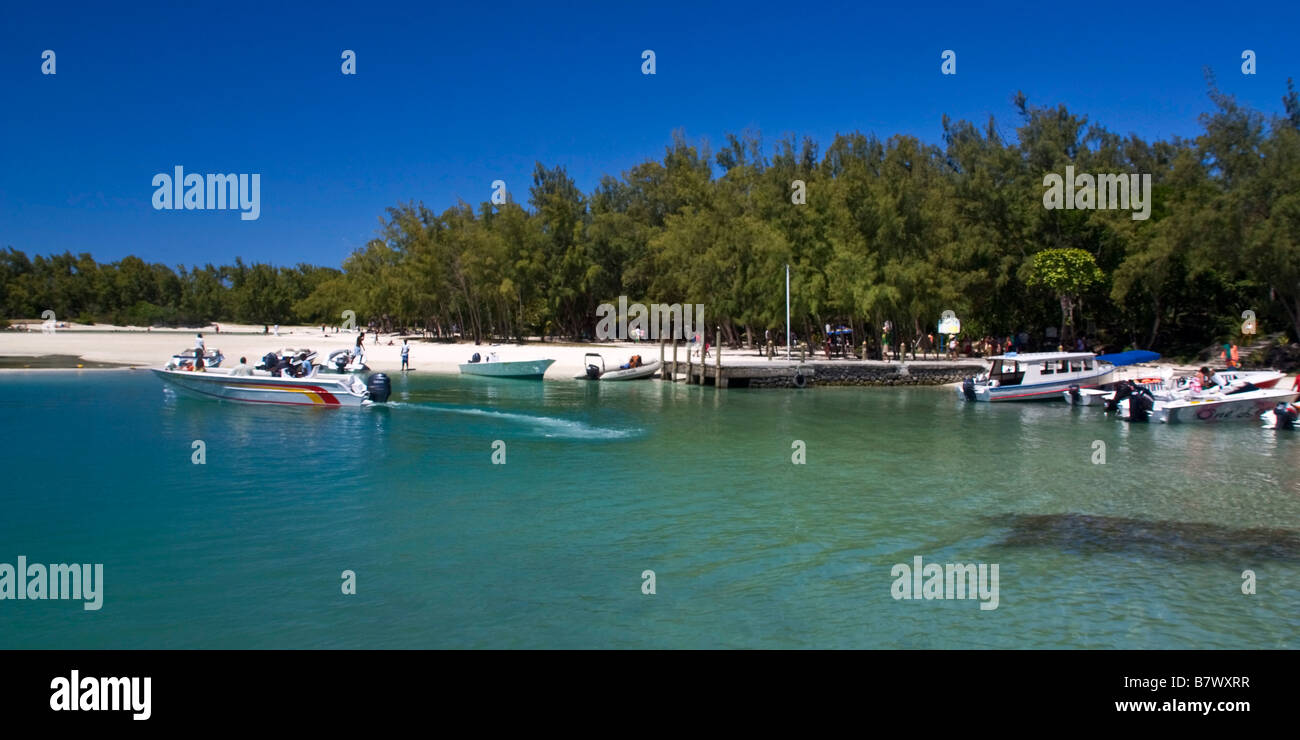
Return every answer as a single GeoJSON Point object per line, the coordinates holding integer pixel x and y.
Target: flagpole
{"type": "Point", "coordinates": [787, 312]}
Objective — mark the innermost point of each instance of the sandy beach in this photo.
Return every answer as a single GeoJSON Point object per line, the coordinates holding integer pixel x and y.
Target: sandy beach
{"type": "Point", "coordinates": [137, 347]}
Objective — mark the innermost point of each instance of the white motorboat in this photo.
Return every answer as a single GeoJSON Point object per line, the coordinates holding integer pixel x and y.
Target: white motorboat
{"type": "Point", "coordinates": [1046, 375]}
{"type": "Point", "coordinates": [518, 369]}
{"type": "Point", "coordinates": [1241, 402]}
{"type": "Point", "coordinates": [633, 370]}
{"type": "Point", "coordinates": [1164, 386]}
{"type": "Point", "coordinates": [263, 386]}
{"type": "Point", "coordinates": [1242, 405]}
{"type": "Point", "coordinates": [211, 357]}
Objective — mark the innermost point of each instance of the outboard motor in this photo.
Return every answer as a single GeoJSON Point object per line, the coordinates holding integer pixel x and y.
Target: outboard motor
{"type": "Point", "coordinates": [1074, 394]}
{"type": "Point", "coordinates": [593, 372]}
{"type": "Point", "coordinates": [1286, 415]}
{"type": "Point", "coordinates": [1125, 390]}
{"type": "Point", "coordinates": [968, 389]}
{"type": "Point", "coordinates": [475, 358]}
{"type": "Point", "coordinates": [1139, 406]}
{"type": "Point", "coordinates": [379, 387]}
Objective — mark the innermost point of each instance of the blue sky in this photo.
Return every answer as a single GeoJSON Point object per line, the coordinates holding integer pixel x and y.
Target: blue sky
{"type": "Point", "coordinates": [449, 97]}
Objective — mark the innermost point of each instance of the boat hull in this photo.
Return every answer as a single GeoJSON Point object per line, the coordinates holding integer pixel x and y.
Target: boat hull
{"type": "Point", "coordinates": [332, 392]}
{"type": "Point", "coordinates": [519, 370]}
{"type": "Point", "coordinates": [632, 373]}
{"type": "Point", "coordinates": [1051, 390]}
{"type": "Point", "coordinates": [1237, 407]}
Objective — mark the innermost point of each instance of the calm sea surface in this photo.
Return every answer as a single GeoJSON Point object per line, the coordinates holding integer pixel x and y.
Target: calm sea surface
{"type": "Point", "coordinates": [603, 482]}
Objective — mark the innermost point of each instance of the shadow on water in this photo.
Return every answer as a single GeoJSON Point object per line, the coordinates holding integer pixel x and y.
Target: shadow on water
{"type": "Point", "coordinates": [1087, 533]}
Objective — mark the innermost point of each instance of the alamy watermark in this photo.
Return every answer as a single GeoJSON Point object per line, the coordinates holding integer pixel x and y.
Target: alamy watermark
{"type": "Point", "coordinates": [1103, 192]}
{"type": "Point", "coordinates": [39, 581]}
{"type": "Point", "coordinates": [102, 694]}
{"type": "Point", "coordinates": [947, 581]}
{"type": "Point", "coordinates": [194, 192]}
{"type": "Point", "coordinates": [659, 321]}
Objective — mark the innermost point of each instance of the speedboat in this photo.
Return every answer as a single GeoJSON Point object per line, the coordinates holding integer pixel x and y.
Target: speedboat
{"type": "Point", "coordinates": [1240, 402]}
{"type": "Point", "coordinates": [211, 357]}
{"type": "Point", "coordinates": [278, 385]}
{"type": "Point", "coordinates": [633, 370]}
{"type": "Point", "coordinates": [1046, 375]}
{"type": "Point", "coordinates": [261, 387]}
{"type": "Point", "coordinates": [518, 369]}
{"type": "Point", "coordinates": [1167, 387]}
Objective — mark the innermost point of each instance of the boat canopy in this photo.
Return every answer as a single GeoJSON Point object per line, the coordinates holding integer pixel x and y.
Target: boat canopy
{"type": "Point", "coordinates": [1132, 357]}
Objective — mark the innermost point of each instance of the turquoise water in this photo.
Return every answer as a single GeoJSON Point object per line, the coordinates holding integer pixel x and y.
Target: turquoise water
{"type": "Point", "coordinates": [602, 482]}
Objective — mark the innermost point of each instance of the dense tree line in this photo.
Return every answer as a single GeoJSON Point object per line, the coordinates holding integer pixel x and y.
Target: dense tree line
{"type": "Point", "coordinates": [131, 291]}
{"type": "Point", "coordinates": [890, 230]}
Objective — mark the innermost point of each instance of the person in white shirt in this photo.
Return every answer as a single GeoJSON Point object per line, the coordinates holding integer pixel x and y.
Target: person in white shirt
{"type": "Point", "coordinates": [242, 368]}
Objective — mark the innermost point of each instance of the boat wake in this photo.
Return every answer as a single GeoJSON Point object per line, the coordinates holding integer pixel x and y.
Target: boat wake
{"type": "Point", "coordinates": [551, 427]}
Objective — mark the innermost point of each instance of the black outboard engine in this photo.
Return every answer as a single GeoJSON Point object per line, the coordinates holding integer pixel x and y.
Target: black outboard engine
{"type": "Point", "coordinates": [268, 361]}
{"type": "Point", "coordinates": [475, 358]}
{"type": "Point", "coordinates": [968, 389]}
{"type": "Point", "coordinates": [1074, 394]}
{"type": "Point", "coordinates": [379, 387]}
{"type": "Point", "coordinates": [1125, 390]}
{"type": "Point", "coordinates": [593, 372]}
{"type": "Point", "coordinates": [1140, 405]}
{"type": "Point", "coordinates": [1286, 415]}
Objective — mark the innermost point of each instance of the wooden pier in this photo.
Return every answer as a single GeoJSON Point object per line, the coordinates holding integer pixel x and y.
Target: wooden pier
{"type": "Point", "coordinates": [756, 371]}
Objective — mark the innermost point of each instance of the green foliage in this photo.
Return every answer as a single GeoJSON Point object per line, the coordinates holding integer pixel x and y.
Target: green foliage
{"type": "Point", "coordinates": [892, 230]}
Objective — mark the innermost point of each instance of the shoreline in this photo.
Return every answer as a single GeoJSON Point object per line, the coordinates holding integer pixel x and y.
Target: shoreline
{"type": "Point", "coordinates": [136, 347]}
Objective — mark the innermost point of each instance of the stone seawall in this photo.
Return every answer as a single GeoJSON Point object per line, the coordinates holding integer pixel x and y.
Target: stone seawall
{"type": "Point", "coordinates": [814, 374]}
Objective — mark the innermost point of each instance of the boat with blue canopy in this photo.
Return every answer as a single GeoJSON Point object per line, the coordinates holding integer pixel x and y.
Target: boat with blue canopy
{"type": "Point", "coordinates": [1038, 376]}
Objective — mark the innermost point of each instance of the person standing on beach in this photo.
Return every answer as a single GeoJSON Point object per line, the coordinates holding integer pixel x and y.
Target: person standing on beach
{"type": "Point", "coordinates": [359, 351]}
{"type": "Point", "coordinates": [277, 330]}
{"type": "Point", "coordinates": [406, 356]}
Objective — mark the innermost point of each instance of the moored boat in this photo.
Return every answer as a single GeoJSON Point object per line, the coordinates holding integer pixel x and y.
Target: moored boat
{"type": "Point", "coordinates": [1046, 375]}
{"type": "Point", "coordinates": [633, 370]}
{"type": "Point", "coordinates": [345, 361]}
{"type": "Point", "coordinates": [517, 369]}
{"type": "Point", "coordinates": [1245, 404]}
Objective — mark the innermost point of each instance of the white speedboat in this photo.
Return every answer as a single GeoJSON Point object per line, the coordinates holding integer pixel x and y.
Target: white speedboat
{"type": "Point", "coordinates": [1242, 402]}
{"type": "Point", "coordinates": [1166, 387]}
{"type": "Point", "coordinates": [262, 386]}
{"type": "Point", "coordinates": [211, 357]}
{"type": "Point", "coordinates": [633, 370]}
{"type": "Point", "coordinates": [1045, 375]}
{"type": "Point", "coordinates": [518, 369]}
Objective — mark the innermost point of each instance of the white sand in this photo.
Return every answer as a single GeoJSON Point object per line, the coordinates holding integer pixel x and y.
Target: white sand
{"type": "Point", "coordinates": [153, 348]}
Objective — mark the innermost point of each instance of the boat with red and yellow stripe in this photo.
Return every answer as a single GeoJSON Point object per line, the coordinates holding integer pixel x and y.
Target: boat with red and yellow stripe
{"type": "Point", "coordinates": [261, 386]}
